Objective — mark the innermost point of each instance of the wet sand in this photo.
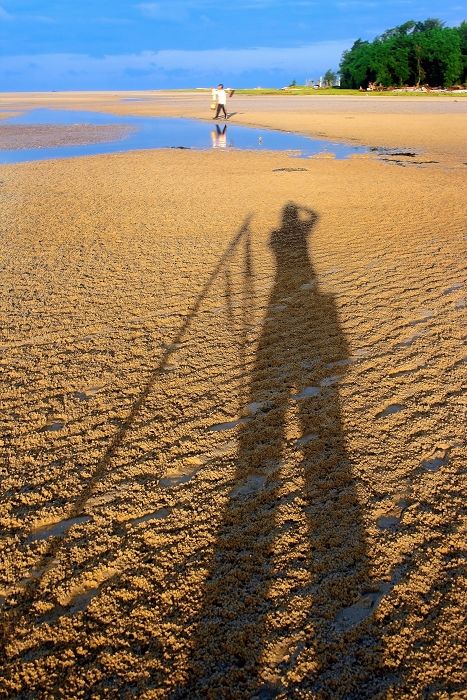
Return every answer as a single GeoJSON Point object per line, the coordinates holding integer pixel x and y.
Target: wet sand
{"type": "Point", "coordinates": [19, 136]}
{"type": "Point", "coordinates": [232, 423]}
{"type": "Point", "coordinates": [435, 124]}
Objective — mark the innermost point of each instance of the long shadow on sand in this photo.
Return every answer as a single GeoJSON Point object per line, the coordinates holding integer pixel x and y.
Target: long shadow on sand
{"type": "Point", "coordinates": [30, 591]}
{"type": "Point", "coordinates": [290, 558]}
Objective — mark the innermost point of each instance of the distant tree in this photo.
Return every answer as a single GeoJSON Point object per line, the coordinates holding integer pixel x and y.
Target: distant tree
{"type": "Point", "coordinates": [418, 60]}
{"type": "Point", "coordinates": [391, 60]}
{"type": "Point", "coordinates": [462, 31]}
{"type": "Point", "coordinates": [430, 23]}
{"type": "Point", "coordinates": [412, 53]}
{"type": "Point", "coordinates": [441, 56]}
{"type": "Point", "coordinates": [293, 83]}
{"type": "Point", "coordinates": [401, 30]}
{"type": "Point", "coordinates": [356, 65]}
{"type": "Point", "coordinates": [329, 77]}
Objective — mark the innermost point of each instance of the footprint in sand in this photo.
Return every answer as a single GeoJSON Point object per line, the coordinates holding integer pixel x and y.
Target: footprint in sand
{"type": "Point", "coordinates": [81, 601]}
{"type": "Point", "coordinates": [439, 458]}
{"type": "Point", "coordinates": [361, 352]}
{"type": "Point", "coordinates": [354, 614]}
{"type": "Point", "coordinates": [54, 425]}
{"type": "Point", "coordinates": [86, 394]}
{"type": "Point", "coordinates": [309, 364]}
{"type": "Point", "coordinates": [392, 519]}
{"type": "Point", "coordinates": [255, 407]}
{"type": "Point", "coordinates": [306, 439]}
{"type": "Point", "coordinates": [340, 363]}
{"type": "Point", "coordinates": [390, 410]}
{"type": "Point", "coordinates": [81, 396]}
{"type": "Point", "coordinates": [80, 595]}
{"type": "Point", "coordinates": [253, 484]}
{"type": "Point", "coordinates": [158, 514]}
{"type": "Point", "coordinates": [171, 346]}
{"type": "Point", "coordinates": [307, 393]}
{"type": "Point", "coordinates": [455, 287]}
{"type": "Point", "coordinates": [388, 522]}
{"type": "Point", "coordinates": [425, 314]}
{"type": "Point", "coordinates": [330, 381]}
{"type": "Point", "coordinates": [170, 367]}
{"type": "Point", "coordinates": [181, 473]}
{"type": "Point", "coordinates": [224, 448]}
{"type": "Point", "coordinates": [56, 529]}
{"type": "Point", "coordinates": [229, 425]}
{"type": "Point", "coordinates": [412, 338]}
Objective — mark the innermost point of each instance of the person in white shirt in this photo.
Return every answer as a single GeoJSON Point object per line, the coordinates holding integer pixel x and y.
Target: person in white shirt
{"type": "Point", "coordinates": [219, 95]}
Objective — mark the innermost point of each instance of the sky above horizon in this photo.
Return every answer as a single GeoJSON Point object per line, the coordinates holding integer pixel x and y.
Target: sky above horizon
{"type": "Point", "coordinates": [132, 45]}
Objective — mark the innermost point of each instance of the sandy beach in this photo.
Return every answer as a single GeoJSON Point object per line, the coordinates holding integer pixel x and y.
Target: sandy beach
{"type": "Point", "coordinates": [233, 429]}
{"type": "Point", "coordinates": [434, 124]}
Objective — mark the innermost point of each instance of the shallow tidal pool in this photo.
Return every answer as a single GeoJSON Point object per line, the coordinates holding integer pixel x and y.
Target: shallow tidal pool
{"type": "Point", "coordinates": [143, 133]}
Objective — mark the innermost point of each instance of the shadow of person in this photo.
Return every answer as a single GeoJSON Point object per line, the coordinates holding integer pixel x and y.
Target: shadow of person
{"type": "Point", "coordinates": [290, 555]}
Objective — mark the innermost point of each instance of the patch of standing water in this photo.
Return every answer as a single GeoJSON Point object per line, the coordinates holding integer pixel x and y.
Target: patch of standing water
{"type": "Point", "coordinates": [167, 132]}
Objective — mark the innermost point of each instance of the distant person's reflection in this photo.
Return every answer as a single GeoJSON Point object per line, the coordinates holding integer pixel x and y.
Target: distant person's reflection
{"type": "Point", "coordinates": [219, 137]}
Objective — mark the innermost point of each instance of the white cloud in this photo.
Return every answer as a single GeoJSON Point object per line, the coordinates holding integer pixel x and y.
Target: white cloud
{"type": "Point", "coordinates": [169, 12]}
{"type": "Point", "coordinates": [267, 4]}
{"type": "Point", "coordinates": [356, 5]}
{"type": "Point", "coordinates": [193, 65]}
{"type": "Point", "coordinates": [5, 15]}
{"type": "Point", "coordinates": [178, 10]}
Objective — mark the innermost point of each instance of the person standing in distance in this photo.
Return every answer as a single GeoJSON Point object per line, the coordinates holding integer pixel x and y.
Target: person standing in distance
{"type": "Point", "coordinates": [219, 95]}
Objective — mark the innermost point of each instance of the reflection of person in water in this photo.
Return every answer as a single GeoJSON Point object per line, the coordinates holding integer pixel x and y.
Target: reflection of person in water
{"type": "Point", "coordinates": [290, 552]}
{"type": "Point", "coordinates": [219, 136]}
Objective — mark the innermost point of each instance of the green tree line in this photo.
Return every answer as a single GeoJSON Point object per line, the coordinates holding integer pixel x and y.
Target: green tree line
{"type": "Point", "coordinates": [415, 53]}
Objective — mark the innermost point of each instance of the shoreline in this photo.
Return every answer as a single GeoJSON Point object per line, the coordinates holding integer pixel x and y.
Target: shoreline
{"type": "Point", "coordinates": [438, 126]}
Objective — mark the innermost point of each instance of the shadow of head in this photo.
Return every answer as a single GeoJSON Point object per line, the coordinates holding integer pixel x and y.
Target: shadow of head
{"type": "Point", "coordinates": [296, 225]}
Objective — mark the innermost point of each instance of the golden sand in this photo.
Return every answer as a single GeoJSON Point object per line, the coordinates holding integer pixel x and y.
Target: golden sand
{"type": "Point", "coordinates": [232, 426]}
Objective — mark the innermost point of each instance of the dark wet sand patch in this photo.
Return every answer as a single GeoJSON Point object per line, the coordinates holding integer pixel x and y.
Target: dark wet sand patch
{"type": "Point", "coordinates": [15, 137]}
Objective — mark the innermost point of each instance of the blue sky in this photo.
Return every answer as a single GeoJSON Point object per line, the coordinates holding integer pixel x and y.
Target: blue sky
{"type": "Point", "coordinates": [126, 44]}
